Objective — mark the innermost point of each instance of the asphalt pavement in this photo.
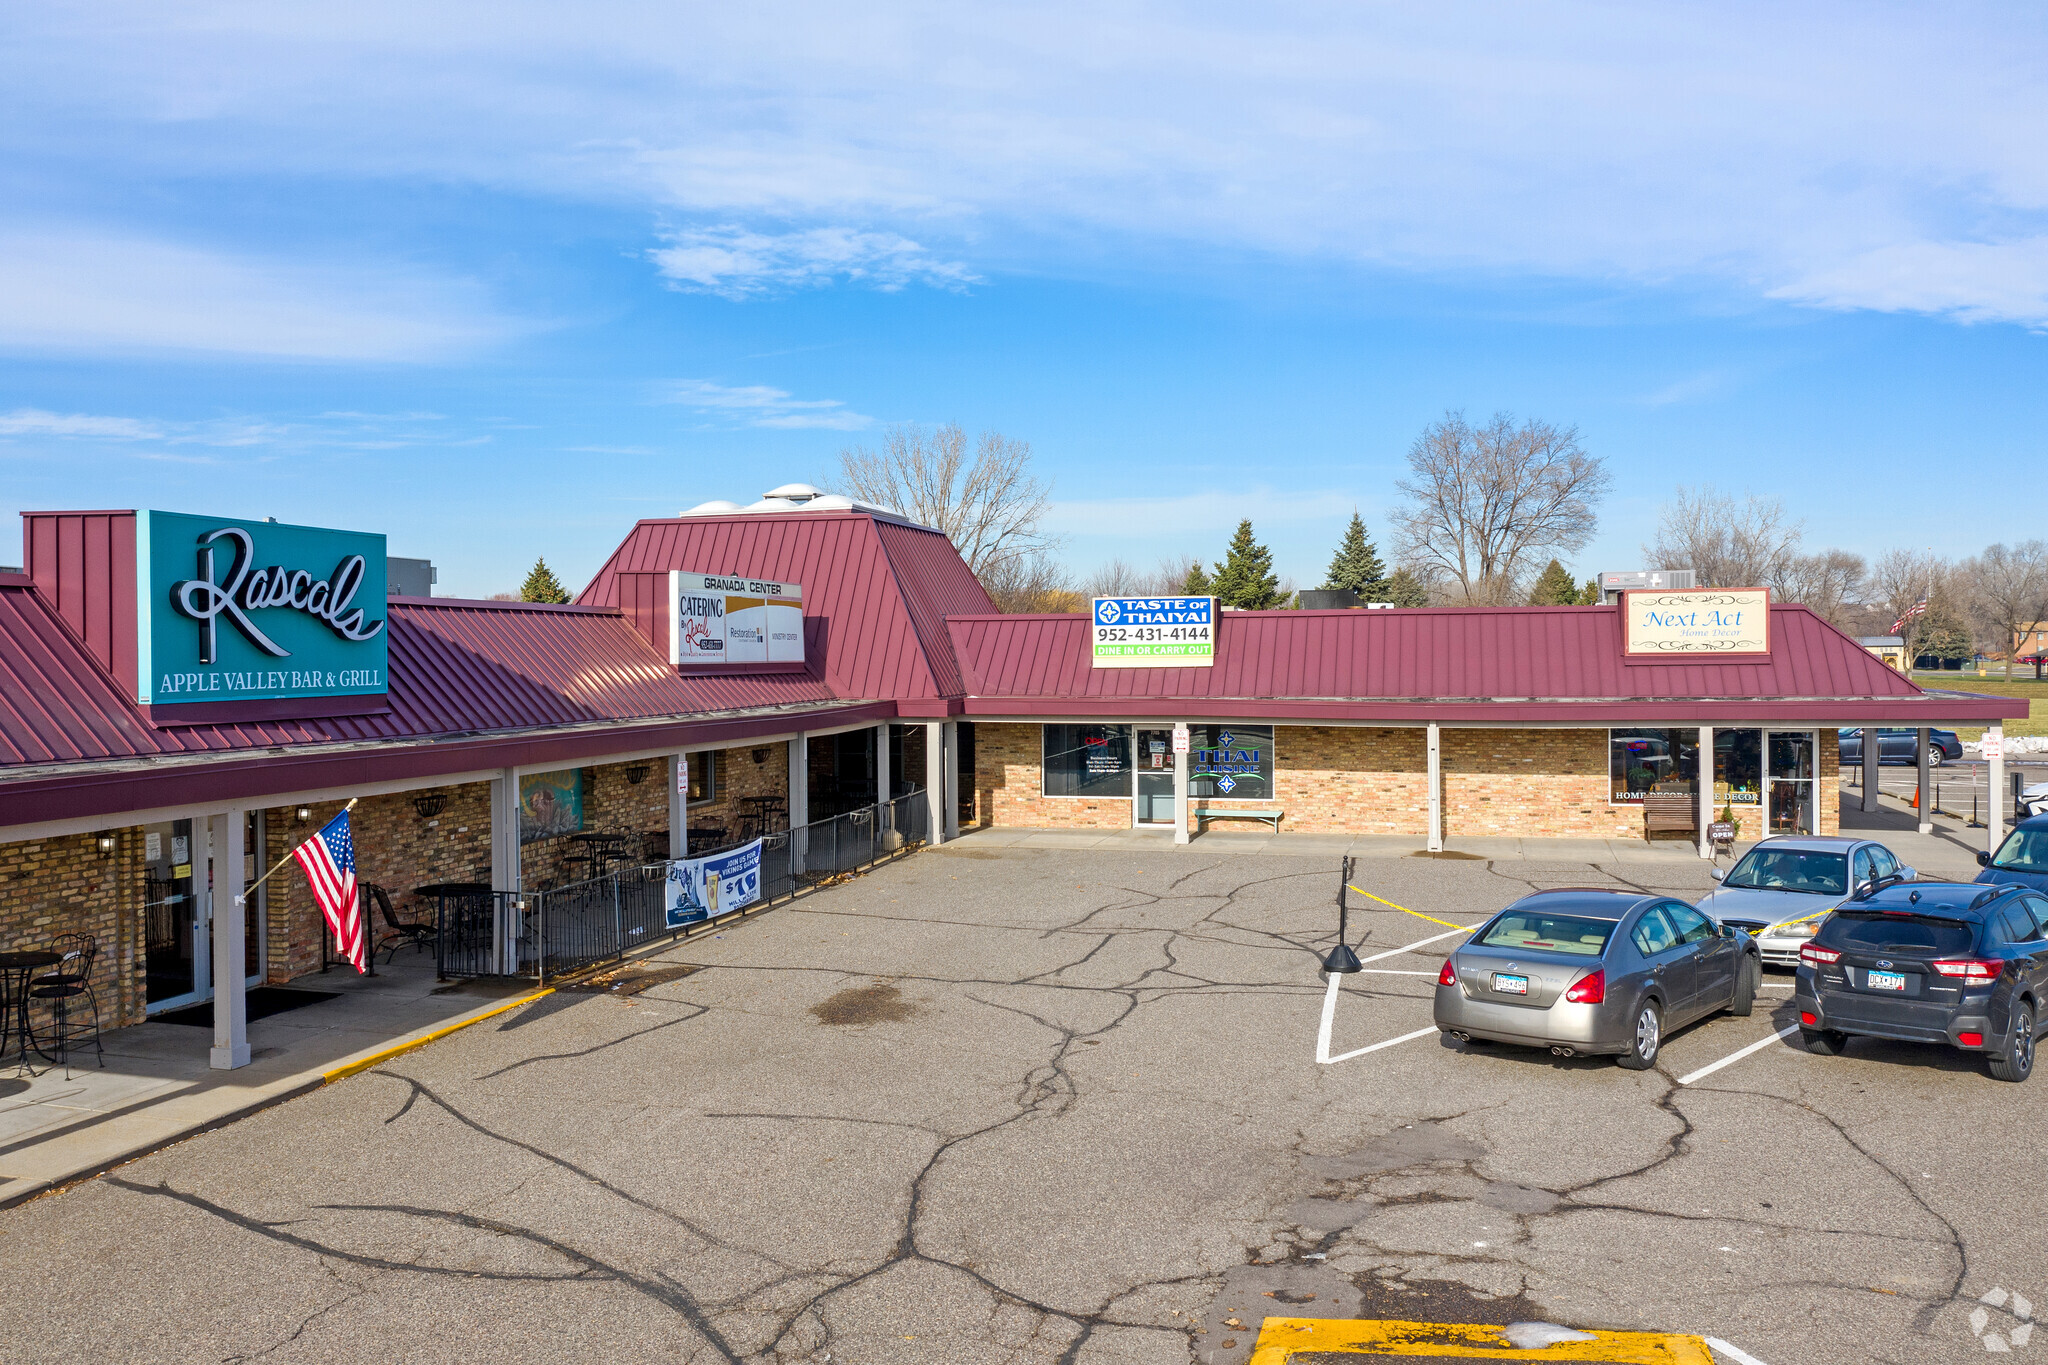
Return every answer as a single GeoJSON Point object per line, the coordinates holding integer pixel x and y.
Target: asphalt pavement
{"type": "Point", "coordinates": [1021, 1105]}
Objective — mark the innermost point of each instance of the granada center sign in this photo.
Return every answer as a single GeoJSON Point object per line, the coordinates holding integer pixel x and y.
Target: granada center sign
{"type": "Point", "coordinates": [732, 619]}
{"type": "Point", "coordinates": [1730, 622]}
{"type": "Point", "coordinates": [1153, 632]}
{"type": "Point", "coordinates": [253, 611]}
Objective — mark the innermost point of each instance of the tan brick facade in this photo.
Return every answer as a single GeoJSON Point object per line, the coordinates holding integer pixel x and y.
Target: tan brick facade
{"type": "Point", "coordinates": [1531, 783]}
{"type": "Point", "coordinates": [1009, 785]}
{"type": "Point", "coordinates": [64, 886]}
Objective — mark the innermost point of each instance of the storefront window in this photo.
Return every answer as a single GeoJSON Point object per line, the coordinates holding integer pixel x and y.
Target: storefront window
{"type": "Point", "coordinates": [1087, 760]}
{"type": "Point", "coordinates": [1640, 761]}
{"type": "Point", "coordinates": [703, 776]}
{"type": "Point", "coordinates": [1231, 761]}
{"type": "Point", "coordinates": [1738, 769]}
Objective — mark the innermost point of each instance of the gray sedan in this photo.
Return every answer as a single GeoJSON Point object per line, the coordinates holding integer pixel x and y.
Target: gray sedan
{"type": "Point", "coordinates": [1585, 971]}
{"type": "Point", "coordinates": [1785, 886]}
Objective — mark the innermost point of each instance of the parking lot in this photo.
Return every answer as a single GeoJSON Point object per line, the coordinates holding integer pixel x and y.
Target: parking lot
{"type": "Point", "coordinates": [1000, 1104]}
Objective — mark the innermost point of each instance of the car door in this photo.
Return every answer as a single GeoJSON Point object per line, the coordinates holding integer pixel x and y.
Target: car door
{"type": "Point", "coordinates": [1897, 746]}
{"type": "Point", "coordinates": [2035, 909]}
{"type": "Point", "coordinates": [1671, 962]}
{"type": "Point", "coordinates": [1713, 958]}
{"type": "Point", "coordinates": [1882, 863]}
{"type": "Point", "coordinates": [1851, 742]}
{"type": "Point", "coordinates": [1862, 868]}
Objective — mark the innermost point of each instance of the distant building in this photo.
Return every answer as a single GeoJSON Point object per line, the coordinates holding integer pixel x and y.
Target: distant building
{"type": "Point", "coordinates": [1890, 648]}
{"type": "Point", "coordinates": [409, 577]}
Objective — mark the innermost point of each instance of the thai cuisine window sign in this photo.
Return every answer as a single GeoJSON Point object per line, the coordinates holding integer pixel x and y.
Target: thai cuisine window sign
{"type": "Point", "coordinates": [1725, 621]}
{"type": "Point", "coordinates": [1153, 632]}
{"type": "Point", "coordinates": [232, 610]}
{"type": "Point", "coordinates": [1233, 762]}
{"type": "Point", "coordinates": [733, 619]}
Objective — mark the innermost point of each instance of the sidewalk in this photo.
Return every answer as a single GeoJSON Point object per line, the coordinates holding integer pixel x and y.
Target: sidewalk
{"type": "Point", "coordinates": [157, 1087]}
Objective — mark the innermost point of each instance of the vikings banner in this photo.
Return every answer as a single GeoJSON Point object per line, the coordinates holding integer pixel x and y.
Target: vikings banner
{"type": "Point", "coordinates": [701, 889]}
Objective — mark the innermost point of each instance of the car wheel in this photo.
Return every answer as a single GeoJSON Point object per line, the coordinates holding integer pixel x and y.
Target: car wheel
{"type": "Point", "coordinates": [1824, 1042]}
{"type": "Point", "coordinates": [1645, 1040]}
{"type": "Point", "coordinates": [1748, 977]}
{"type": "Point", "coordinates": [1935, 757]}
{"type": "Point", "coordinates": [2016, 1062]}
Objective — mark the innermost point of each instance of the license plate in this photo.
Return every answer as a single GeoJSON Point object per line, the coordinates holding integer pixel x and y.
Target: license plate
{"type": "Point", "coordinates": [1511, 985]}
{"type": "Point", "coordinates": [1885, 981]}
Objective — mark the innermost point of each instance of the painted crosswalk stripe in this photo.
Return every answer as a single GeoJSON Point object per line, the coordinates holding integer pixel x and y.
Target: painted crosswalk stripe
{"type": "Point", "coordinates": [1758, 1046]}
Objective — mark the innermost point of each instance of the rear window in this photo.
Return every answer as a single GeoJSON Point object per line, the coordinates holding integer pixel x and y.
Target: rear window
{"type": "Point", "coordinates": [2024, 850]}
{"type": "Point", "coordinates": [1790, 869]}
{"type": "Point", "coordinates": [1549, 933]}
{"type": "Point", "coordinates": [1908, 935]}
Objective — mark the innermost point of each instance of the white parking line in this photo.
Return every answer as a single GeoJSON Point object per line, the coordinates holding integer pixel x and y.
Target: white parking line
{"type": "Point", "coordinates": [1337, 983]}
{"type": "Point", "coordinates": [1734, 1353]}
{"type": "Point", "coordinates": [1733, 1057]}
{"type": "Point", "coordinates": [1419, 943]}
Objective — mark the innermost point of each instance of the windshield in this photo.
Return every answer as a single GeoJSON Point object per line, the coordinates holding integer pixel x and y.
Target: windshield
{"type": "Point", "coordinates": [1791, 869]}
{"type": "Point", "coordinates": [2024, 850]}
{"type": "Point", "coordinates": [1908, 935]}
{"type": "Point", "coordinates": [1549, 933]}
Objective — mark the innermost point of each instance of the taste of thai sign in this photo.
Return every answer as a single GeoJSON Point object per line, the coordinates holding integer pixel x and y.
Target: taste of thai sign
{"type": "Point", "coordinates": [1729, 622]}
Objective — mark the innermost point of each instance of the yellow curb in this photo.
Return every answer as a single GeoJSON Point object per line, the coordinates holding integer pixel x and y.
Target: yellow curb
{"type": "Point", "coordinates": [386, 1054]}
{"type": "Point", "coordinates": [1404, 909]}
{"type": "Point", "coordinates": [1281, 1339]}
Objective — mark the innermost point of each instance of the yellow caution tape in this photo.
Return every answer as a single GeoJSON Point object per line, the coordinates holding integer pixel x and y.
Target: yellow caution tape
{"type": "Point", "coordinates": [1281, 1339]}
{"type": "Point", "coordinates": [1406, 911]}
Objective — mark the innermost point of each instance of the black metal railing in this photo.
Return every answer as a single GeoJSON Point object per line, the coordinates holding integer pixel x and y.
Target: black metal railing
{"type": "Point", "coordinates": [546, 933]}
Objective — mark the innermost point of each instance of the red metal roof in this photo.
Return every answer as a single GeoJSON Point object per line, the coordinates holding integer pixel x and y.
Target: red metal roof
{"type": "Point", "coordinates": [879, 589]}
{"type": "Point", "coordinates": [1506, 663]}
{"type": "Point", "coordinates": [57, 704]}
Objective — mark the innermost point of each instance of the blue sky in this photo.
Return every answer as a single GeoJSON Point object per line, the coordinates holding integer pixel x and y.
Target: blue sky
{"type": "Point", "coordinates": [496, 280]}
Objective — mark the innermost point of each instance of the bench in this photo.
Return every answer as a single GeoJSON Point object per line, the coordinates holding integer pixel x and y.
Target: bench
{"type": "Point", "coordinates": [1670, 813]}
{"type": "Point", "coordinates": [1271, 815]}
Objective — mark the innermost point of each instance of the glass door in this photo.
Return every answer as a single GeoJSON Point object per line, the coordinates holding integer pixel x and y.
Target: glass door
{"type": "Point", "coordinates": [1789, 755]}
{"type": "Point", "coordinates": [175, 931]}
{"type": "Point", "coordinates": [1155, 777]}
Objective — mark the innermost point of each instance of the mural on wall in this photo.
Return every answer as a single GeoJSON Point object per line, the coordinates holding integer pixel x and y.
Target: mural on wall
{"type": "Point", "coordinates": [550, 804]}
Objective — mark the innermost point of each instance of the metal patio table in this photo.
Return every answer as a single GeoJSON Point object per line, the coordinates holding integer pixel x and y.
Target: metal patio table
{"type": "Point", "coordinates": [15, 971]}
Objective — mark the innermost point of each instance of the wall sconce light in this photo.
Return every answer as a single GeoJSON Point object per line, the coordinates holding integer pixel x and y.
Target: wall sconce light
{"type": "Point", "coordinates": [107, 844]}
{"type": "Point", "coordinates": [302, 815]}
{"type": "Point", "coordinates": [430, 804]}
{"type": "Point", "coordinates": [637, 774]}
{"type": "Point", "coordinates": [760, 755]}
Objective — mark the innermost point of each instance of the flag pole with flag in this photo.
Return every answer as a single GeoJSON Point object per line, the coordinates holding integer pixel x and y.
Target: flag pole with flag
{"type": "Point", "coordinates": [1908, 614]}
{"type": "Point", "coordinates": [329, 861]}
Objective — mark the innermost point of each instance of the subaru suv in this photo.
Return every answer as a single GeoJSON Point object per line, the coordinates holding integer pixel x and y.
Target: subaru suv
{"type": "Point", "coordinates": [1930, 962]}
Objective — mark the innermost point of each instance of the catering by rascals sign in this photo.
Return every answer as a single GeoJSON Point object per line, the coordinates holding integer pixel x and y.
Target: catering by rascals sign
{"type": "Point", "coordinates": [1719, 621]}
{"type": "Point", "coordinates": [731, 619]}
{"type": "Point", "coordinates": [246, 611]}
{"type": "Point", "coordinates": [1153, 632]}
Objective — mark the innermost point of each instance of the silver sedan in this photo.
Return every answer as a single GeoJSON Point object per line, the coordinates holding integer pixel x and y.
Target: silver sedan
{"type": "Point", "coordinates": [1585, 971]}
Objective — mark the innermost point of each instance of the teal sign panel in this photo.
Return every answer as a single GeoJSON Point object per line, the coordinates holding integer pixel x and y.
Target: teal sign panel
{"type": "Point", "coordinates": [231, 610]}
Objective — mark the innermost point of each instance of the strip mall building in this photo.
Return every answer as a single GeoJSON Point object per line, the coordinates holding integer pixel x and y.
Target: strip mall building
{"type": "Point", "coordinates": [182, 694]}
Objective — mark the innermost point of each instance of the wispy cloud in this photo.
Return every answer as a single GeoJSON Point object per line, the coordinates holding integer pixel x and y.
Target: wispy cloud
{"type": "Point", "coordinates": [2002, 281]}
{"type": "Point", "coordinates": [36, 422]}
{"type": "Point", "coordinates": [757, 405]}
{"type": "Point", "coordinates": [735, 263]}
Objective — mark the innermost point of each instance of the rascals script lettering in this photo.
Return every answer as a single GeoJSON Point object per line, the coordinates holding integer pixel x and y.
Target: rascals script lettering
{"type": "Point", "coordinates": [246, 588]}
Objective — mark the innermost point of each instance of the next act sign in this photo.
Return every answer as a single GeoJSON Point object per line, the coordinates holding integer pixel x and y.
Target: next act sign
{"type": "Point", "coordinates": [1153, 632]}
{"type": "Point", "coordinates": [1729, 622]}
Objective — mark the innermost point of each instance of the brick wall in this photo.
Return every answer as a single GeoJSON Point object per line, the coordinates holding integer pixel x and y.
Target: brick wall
{"type": "Point", "coordinates": [61, 886]}
{"type": "Point", "coordinates": [738, 776]}
{"type": "Point", "coordinates": [1829, 770]}
{"type": "Point", "coordinates": [1009, 785]}
{"type": "Point", "coordinates": [1531, 783]}
{"type": "Point", "coordinates": [1340, 779]}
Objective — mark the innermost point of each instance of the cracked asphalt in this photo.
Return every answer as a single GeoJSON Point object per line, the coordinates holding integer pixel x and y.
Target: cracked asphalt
{"type": "Point", "coordinates": [1038, 1105]}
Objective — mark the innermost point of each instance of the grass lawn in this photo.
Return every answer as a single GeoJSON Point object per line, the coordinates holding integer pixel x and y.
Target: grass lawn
{"type": "Point", "coordinates": [2036, 694]}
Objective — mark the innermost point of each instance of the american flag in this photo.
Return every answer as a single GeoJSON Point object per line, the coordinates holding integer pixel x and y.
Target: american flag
{"type": "Point", "coordinates": [1908, 614]}
{"type": "Point", "coordinates": [329, 858]}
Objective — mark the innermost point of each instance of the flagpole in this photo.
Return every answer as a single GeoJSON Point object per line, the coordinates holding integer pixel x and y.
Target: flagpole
{"type": "Point", "coordinates": [243, 898]}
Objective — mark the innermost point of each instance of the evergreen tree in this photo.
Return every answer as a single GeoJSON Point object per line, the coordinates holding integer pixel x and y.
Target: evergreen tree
{"type": "Point", "coordinates": [1554, 588]}
{"type": "Point", "coordinates": [542, 586]}
{"type": "Point", "coordinates": [1404, 589]}
{"type": "Point", "coordinates": [1197, 583]}
{"type": "Point", "coordinates": [1245, 579]}
{"type": "Point", "coordinates": [1356, 566]}
{"type": "Point", "coordinates": [1589, 596]}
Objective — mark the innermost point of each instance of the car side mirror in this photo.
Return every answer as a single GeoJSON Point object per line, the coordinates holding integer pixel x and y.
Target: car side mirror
{"type": "Point", "coordinates": [1983, 858]}
{"type": "Point", "coordinates": [1907, 874]}
{"type": "Point", "coordinates": [1716, 873]}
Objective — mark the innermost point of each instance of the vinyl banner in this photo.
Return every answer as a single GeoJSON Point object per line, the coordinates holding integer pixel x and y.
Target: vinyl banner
{"type": "Point", "coordinates": [727, 619]}
{"type": "Point", "coordinates": [701, 889]}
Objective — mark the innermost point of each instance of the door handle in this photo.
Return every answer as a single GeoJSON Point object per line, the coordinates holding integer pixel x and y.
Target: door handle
{"type": "Point", "coordinates": [1657, 970]}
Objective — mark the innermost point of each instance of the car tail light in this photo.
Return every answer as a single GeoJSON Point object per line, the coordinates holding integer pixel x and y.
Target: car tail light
{"type": "Point", "coordinates": [1971, 969]}
{"type": "Point", "coordinates": [1813, 955]}
{"type": "Point", "coordinates": [1589, 990]}
{"type": "Point", "coordinates": [1809, 1020]}
{"type": "Point", "coordinates": [1448, 976]}
{"type": "Point", "coordinates": [1970, 1039]}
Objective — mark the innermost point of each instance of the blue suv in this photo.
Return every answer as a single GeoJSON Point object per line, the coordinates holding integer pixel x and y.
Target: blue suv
{"type": "Point", "coordinates": [1930, 962]}
{"type": "Point", "coordinates": [2022, 858]}
{"type": "Point", "coordinates": [1902, 746]}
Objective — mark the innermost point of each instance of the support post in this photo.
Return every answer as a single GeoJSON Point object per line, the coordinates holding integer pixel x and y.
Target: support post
{"type": "Point", "coordinates": [1180, 784]}
{"type": "Point", "coordinates": [230, 991]}
{"type": "Point", "coordinates": [1872, 747]}
{"type": "Point", "coordinates": [1925, 785]}
{"type": "Point", "coordinates": [505, 871]}
{"type": "Point", "coordinates": [1994, 803]}
{"type": "Point", "coordinates": [1706, 796]}
{"type": "Point", "coordinates": [882, 763]}
{"type": "Point", "coordinates": [951, 731]}
{"type": "Point", "coordinates": [935, 783]}
{"type": "Point", "coordinates": [799, 801]}
{"type": "Point", "coordinates": [1436, 788]}
{"type": "Point", "coordinates": [679, 805]}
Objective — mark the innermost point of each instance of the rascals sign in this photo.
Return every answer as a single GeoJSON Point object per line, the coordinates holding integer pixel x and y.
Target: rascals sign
{"type": "Point", "coordinates": [243, 611]}
{"type": "Point", "coordinates": [1720, 621]}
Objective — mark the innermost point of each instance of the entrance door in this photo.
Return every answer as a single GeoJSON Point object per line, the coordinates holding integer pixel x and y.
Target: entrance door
{"type": "Point", "coordinates": [176, 932]}
{"type": "Point", "coordinates": [1155, 777]}
{"type": "Point", "coordinates": [1789, 759]}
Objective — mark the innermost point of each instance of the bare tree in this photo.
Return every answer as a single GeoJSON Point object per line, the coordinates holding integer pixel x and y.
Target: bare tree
{"type": "Point", "coordinates": [1489, 504]}
{"type": "Point", "coordinates": [1826, 583]}
{"type": "Point", "coordinates": [1900, 580]}
{"type": "Point", "coordinates": [1031, 583]}
{"type": "Point", "coordinates": [1728, 544]}
{"type": "Point", "coordinates": [989, 505]}
{"type": "Point", "coordinates": [2008, 593]}
{"type": "Point", "coordinates": [1117, 579]}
